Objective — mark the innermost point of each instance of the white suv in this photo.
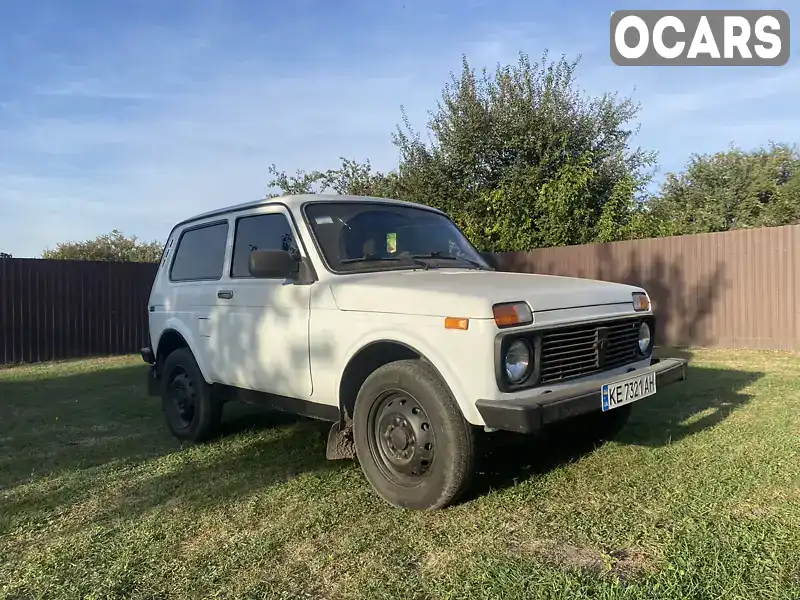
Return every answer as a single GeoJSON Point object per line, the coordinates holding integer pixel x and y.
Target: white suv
{"type": "Point", "coordinates": [381, 317]}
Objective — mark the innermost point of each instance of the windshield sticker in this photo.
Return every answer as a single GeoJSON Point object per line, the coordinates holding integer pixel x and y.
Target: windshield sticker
{"type": "Point", "coordinates": [323, 220]}
{"type": "Point", "coordinates": [391, 243]}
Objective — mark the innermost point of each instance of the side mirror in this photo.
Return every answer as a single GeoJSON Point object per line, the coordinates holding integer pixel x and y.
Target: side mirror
{"type": "Point", "coordinates": [272, 264]}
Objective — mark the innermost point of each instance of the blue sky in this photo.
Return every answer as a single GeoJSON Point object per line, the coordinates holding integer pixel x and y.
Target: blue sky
{"type": "Point", "coordinates": [132, 115]}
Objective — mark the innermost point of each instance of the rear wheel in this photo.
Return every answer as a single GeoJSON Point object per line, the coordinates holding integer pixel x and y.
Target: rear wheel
{"type": "Point", "coordinates": [413, 444]}
{"type": "Point", "coordinates": [190, 410]}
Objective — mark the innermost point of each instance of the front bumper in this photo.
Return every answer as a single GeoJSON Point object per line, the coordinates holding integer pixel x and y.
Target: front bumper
{"type": "Point", "coordinates": [527, 415]}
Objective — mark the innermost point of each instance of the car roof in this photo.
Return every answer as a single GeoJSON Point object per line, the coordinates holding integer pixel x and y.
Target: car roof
{"type": "Point", "coordinates": [295, 201]}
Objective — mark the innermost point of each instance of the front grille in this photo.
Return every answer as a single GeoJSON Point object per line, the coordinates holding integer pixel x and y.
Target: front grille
{"type": "Point", "coordinates": [585, 349]}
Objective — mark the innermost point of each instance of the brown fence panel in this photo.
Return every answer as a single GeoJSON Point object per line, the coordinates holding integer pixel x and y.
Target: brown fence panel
{"type": "Point", "coordinates": [736, 289]}
{"type": "Point", "coordinates": [57, 309]}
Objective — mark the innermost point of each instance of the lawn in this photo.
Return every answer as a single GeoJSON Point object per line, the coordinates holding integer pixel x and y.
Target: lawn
{"type": "Point", "coordinates": [698, 498]}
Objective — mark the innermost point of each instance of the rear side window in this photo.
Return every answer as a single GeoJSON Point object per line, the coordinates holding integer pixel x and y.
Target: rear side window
{"type": "Point", "coordinates": [260, 232]}
{"type": "Point", "coordinates": [200, 254]}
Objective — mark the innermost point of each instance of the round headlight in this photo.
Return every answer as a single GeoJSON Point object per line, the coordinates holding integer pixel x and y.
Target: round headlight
{"type": "Point", "coordinates": [644, 338]}
{"type": "Point", "coordinates": [517, 361]}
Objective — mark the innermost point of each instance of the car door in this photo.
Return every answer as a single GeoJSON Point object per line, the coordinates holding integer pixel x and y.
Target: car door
{"type": "Point", "coordinates": [265, 321]}
{"type": "Point", "coordinates": [190, 299]}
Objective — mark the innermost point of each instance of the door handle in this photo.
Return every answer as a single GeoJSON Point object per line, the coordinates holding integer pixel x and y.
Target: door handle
{"type": "Point", "coordinates": [225, 294]}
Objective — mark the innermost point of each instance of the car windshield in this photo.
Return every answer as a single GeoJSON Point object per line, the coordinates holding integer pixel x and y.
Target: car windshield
{"type": "Point", "coordinates": [359, 236]}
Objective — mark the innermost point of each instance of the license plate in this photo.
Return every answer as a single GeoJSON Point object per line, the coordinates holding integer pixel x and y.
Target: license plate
{"type": "Point", "coordinates": [625, 391]}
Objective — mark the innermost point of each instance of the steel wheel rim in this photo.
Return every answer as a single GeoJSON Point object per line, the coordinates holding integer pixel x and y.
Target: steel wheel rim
{"type": "Point", "coordinates": [401, 438]}
{"type": "Point", "coordinates": [183, 398]}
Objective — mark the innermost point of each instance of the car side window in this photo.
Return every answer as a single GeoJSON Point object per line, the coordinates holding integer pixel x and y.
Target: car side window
{"type": "Point", "coordinates": [260, 232]}
{"type": "Point", "coordinates": [200, 254]}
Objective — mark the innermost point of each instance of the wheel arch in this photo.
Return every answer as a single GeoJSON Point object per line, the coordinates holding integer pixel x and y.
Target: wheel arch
{"type": "Point", "coordinates": [375, 354]}
{"type": "Point", "coordinates": [169, 341]}
{"type": "Point", "coordinates": [176, 336]}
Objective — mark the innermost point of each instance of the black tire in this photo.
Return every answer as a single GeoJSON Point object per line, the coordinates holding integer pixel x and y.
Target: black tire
{"type": "Point", "coordinates": [404, 408]}
{"type": "Point", "coordinates": [190, 410]}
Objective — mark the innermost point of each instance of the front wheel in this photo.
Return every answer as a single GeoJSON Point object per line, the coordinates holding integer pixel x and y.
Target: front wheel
{"type": "Point", "coordinates": [191, 411]}
{"type": "Point", "coordinates": [413, 444]}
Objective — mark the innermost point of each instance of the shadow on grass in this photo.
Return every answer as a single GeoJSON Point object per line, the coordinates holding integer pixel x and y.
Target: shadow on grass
{"type": "Point", "coordinates": [213, 478]}
{"type": "Point", "coordinates": [57, 423]}
{"type": "Point", "coordinates": [70, 438]}
{"type": "Point", "coordinates": [72, 424]}
{"type": "Point", "coordinates": [706, 398]}
{"type": "Point", "coordinates": [686, 354]}
{"type": "Point", "coordinates": [54, 424]}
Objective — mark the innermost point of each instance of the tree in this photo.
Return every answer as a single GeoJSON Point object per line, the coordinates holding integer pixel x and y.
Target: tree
{"type": "Point", "coordinates": [733, 189]}
{"type": "Point", "coordinates": [112, 246]}
{"type": "Point", "coordinates": [5, 255]}
{"type": "Point", "coordinates": [519, 158]}
{"type": "Point", "coordinates": [351, 178]}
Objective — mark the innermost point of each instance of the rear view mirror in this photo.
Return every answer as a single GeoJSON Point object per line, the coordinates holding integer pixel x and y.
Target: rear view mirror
{"type": "Point", "coordinates": [272, 264]}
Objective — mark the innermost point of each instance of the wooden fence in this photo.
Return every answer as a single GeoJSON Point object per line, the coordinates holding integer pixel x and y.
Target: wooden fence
{"type": "Point", "coordinates": [737, 289]}
{"type": "Point", "coordinates": [56, 309]}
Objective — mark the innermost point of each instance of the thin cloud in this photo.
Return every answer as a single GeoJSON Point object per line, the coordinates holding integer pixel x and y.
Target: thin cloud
{"type": "Point", "coordinates": [736, 91]}
{"type": "Point", "coordinates": [146, 125]}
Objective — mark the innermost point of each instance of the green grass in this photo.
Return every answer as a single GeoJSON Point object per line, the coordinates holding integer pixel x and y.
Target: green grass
{"type": "Point", "coordinates": [698, 498]}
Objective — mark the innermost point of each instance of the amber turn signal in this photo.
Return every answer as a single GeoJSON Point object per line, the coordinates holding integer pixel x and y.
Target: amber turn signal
{"type": "Point", "coordinates": [456, 323]}
{"type": "Point", "coordinates": [512, 313]}
{"type": "Point", "coordinates": [640, 302]}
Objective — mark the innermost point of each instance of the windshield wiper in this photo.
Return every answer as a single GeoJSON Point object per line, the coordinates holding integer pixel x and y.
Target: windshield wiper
{"type": "Point", "coordinates": [345, 261]}
{"type": "Point", "coordinates": [439, 255]}
{"type": "Point", "coordinates": [375, 258]}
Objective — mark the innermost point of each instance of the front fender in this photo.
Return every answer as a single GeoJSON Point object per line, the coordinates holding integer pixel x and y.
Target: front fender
{"type": "Point", "coordinates": [427, 349]}
{"type": "Point", "coordinates": [180, 327]}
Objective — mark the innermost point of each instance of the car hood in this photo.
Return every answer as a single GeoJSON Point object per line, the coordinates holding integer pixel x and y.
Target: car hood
{"type": "Point", "coordinates": [469, 293]}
